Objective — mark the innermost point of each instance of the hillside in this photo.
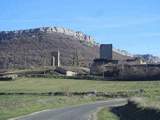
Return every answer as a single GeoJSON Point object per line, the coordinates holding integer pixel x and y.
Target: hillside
{"type": "Point", "coordinates": [33, 47]}
{"type": "Point", "coordinates": [148, 58]}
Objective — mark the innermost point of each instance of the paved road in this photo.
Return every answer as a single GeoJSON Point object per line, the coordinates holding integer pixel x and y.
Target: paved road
{"type": "Point", "coordinates": [81, 112]}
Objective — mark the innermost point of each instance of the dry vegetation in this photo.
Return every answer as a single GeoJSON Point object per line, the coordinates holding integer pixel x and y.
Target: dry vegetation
{"type": "Point", "coordinates": [33, 48]}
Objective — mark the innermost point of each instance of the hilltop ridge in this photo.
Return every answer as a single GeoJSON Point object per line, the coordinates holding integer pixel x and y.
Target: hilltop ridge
{"type": "Point", "coordinates": [77, 34]}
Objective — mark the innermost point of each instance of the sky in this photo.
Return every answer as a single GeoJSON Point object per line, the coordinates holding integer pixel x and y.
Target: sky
{"type": "Point", "coordinates": [132, 25]}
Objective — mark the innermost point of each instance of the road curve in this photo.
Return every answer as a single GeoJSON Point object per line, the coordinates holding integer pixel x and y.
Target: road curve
{"type": "Point", "coordinates": [81, 112]}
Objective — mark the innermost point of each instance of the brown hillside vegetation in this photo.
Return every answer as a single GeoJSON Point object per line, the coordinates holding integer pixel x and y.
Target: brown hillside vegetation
{"type": "Point", "coordinates": [33, 48]}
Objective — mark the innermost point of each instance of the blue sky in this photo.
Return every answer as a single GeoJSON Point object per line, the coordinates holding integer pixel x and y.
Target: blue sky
{"type": "Point", "coordinates": [133, 25]}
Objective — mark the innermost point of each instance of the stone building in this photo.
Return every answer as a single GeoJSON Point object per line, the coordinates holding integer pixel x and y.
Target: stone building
{"type": "Point", "coordinates": [106, 51]}
{"type": "Point", "coordinates": [133, 68]}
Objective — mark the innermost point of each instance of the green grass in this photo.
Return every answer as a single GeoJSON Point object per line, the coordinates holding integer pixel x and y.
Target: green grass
{"type": "Point", "coordinates": [105, 114]}
{"type": "Point", "coordinates": [11, 106]}
{"type": "Point", "coordinates": [151, 88]}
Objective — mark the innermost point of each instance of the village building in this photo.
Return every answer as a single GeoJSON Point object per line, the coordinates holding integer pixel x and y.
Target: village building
{"type": "Point", "coordinates": [133, 68]}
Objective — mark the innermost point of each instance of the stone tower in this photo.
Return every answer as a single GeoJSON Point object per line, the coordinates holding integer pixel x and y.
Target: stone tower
{"type": "Point", "coordinates": [106, 51]}
{"type": "Point", "coordinates": [56, 58]}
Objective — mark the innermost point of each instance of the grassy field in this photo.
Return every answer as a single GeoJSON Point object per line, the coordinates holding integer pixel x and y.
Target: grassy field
{"type": "Point", "coordinates": [51, 84]}
{"type": "Point", "coordinates": [105, 114]}
{"type": "Point", "coordinates": [11, 106]}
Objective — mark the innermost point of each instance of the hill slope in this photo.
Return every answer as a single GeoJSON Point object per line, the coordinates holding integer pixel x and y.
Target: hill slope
{"type": "Point", "coordinates": [33, 47]}
{"type": "Point", "coordinates": [148, 58]}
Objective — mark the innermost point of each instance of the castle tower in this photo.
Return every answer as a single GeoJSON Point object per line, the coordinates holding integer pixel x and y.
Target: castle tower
{"type": "Point", "coordinates": [106, 51]}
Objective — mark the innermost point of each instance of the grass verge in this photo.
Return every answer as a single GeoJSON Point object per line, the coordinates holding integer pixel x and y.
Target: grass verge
{"type": "Point", "coordinates": [105, 114]}
{"type": "Point", "coordinates": [13, 106]}
{"type": "Point", "coordinates": [135, 110]}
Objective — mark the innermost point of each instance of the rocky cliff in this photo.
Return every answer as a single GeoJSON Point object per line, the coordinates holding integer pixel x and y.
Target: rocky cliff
{"type": "Point", "coordinates": [76, 34]}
